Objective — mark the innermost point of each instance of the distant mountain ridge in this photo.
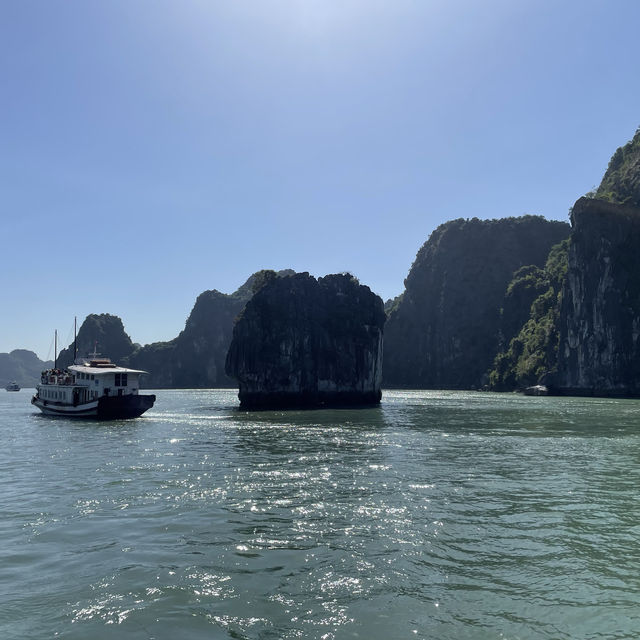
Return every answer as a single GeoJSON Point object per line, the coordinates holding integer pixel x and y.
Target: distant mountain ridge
{"type": "Point", "coordinates": [193, 359]}
{"type": "Point", "coordinates": [22, 366]}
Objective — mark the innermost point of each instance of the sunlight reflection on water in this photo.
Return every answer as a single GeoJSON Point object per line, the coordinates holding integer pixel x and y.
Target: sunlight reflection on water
{"type": "Point", "coordinates": [438, 515]}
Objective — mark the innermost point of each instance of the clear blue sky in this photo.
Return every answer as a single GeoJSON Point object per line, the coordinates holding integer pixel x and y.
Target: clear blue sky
{"type": "Point", "coordinates": [151, 150]}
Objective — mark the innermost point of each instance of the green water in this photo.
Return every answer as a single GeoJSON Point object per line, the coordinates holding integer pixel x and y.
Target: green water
{"type": "Point", "coordinates": [443, 515]}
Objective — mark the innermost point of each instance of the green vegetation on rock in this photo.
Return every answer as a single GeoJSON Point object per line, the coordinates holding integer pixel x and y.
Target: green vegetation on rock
{"type": "Point", "coordinates": [532, 302]}
{"type": "Point", "coordinates": [621, 182]}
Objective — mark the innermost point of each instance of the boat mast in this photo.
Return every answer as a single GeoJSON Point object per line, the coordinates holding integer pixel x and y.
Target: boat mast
{"type": "Point", "coordinates": [55, 349]}
{"type": "Point", "coordinates": [75, 338]}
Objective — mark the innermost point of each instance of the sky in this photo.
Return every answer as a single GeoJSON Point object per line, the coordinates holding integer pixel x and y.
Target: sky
{"type": "Point", "coordinates": [152, 149]}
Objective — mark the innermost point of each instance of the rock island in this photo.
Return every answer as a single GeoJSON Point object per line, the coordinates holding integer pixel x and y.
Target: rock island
{"type": "Point", "coordinates": [307, 342]}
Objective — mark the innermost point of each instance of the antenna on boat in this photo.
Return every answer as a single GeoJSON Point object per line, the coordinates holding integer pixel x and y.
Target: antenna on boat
{"type": "Point", "coordinates": [75, 339]}
{"type": "Point", "coordinates": [55, 349]}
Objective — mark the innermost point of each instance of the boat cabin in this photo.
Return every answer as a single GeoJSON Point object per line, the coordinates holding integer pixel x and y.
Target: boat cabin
{"type": "Point", "coordinates": [82, 383]}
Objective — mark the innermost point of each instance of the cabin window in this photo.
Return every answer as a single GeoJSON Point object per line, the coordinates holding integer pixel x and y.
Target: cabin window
{"type": "Point", "coordinates": [92, 376]}
{"type": "Point", "coordinates": [121, 380]}
{"type": "Point", "coordinates": [117, 379]}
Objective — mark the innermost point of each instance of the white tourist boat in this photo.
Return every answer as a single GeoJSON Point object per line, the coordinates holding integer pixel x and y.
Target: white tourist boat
{"type": "Point", "coordinates": [13, 386]}
{"type": "Point", "coordinates": [92, 388]}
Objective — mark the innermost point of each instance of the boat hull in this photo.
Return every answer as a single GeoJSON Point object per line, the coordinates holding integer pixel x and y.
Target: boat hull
{"type": "Point", "coordinates": [105, 408]}
{"type": "Point", "coordinates": [113, 407]}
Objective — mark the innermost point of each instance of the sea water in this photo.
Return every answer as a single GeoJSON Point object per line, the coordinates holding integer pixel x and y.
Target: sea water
{"type": "Point", "coordinates": [445, 515]}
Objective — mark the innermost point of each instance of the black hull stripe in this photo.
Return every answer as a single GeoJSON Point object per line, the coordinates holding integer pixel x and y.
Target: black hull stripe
{"type": "Point", "coordinates": [107, 408]}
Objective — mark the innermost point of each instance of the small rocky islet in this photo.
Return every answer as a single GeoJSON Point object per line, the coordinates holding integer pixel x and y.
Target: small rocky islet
{"type": "Point", "coordinates": [488, 304]}
{"type": "Point", "coordinates": [307, 342]}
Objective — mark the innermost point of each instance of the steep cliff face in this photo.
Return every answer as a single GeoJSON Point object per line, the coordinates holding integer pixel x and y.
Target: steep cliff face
{"type": "Point", "coordinates": [104, 333]}
{"type": "Point", "coordinates": [445, 330]}
{"type": "Point", "coordinates": [307, 342]}
{"type": "Point", "coordinates": [599, 350]}
{"type": "Point", "coordinates": [196, 357]}
{"type": "Point", "coordinates": [157, 360]}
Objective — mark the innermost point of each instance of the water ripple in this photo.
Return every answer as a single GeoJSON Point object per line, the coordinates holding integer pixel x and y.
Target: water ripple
{"type": "Point", "coordinates": [442, 515]}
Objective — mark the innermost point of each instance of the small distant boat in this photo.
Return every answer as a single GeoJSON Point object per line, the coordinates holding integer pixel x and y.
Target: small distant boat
{"type": "Point", "coordinates": [536, 390]}
{"type": "Point", "coordinates": [94, 388]}
{"type": "Point", "coordinates": [13, 386]}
